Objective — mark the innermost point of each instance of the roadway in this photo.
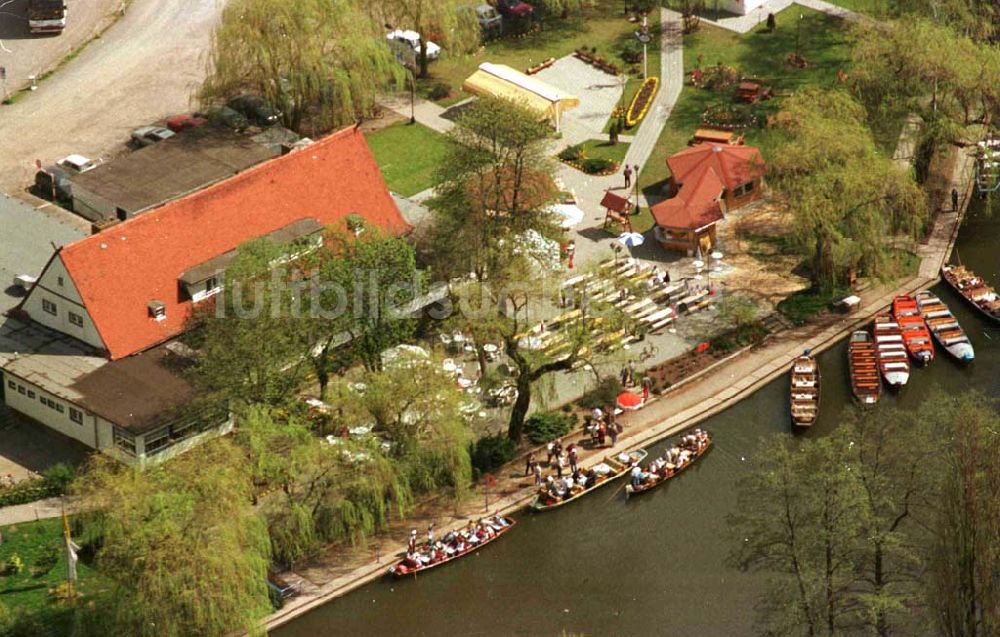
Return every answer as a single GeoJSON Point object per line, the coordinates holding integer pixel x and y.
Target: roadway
{"type": "Point", "coordinates": [146, 67]}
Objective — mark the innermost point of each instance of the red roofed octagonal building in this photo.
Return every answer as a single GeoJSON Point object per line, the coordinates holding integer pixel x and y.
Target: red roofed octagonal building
{"type": "Point", "coordinates": [707, 180]}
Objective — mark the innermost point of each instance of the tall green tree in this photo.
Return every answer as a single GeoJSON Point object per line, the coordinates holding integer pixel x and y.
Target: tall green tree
{"type": "Point", "coordinates": [180, 543]}
{"type": "Point", "coordinates": [322, 62]}
{"type": "Point", "coordinates": [852, 207]}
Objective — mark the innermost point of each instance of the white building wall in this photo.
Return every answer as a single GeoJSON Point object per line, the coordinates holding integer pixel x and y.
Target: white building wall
{"type": "Point", "coordinates": [91, 206]}
{"type": "Point", "coordinates": [55, 286]}
{"type": "Point", "coordinates": [740, 7]}
{"type": "Point", "coordinates": [37, 404]}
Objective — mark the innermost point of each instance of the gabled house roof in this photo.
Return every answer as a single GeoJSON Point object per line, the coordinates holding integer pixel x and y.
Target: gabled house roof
{"type": "Point", "coordinates": [733, 165]}
{"type": "Point", "coordinates": [119, 271]}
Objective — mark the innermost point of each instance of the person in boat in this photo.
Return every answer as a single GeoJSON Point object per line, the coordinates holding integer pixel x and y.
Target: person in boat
{"type": "Point", "coordinates": [636, 475]}
{"type": "Point", "coordinates": [568, 483]}
{"type": "Point", "coordinates": [430, 534]}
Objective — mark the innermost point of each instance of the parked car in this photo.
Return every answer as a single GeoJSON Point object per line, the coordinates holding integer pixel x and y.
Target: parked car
{"type": "Point", "coordinates": [488, 18]}
{"type": "Point", "coordinates": [147, 135]}
{"type": "Point", "coordinates": [256, 109]}
{"type": "Point", "coordinates": [412, 38]}
{"type": "Point", "coordinates": [514, 8]}
{"type": "Point", "coordinates": [184, 121]}
{"type": "Point", "coordinates": [77, 163]}
{"type": "Point", "coordinates": [225, 116]}
{"type": "Point", "coordinates": [279, 589]}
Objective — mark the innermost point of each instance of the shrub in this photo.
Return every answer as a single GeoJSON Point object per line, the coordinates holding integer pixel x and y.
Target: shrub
{"type": "Point", "coordinates": [572, 153]}
{"type": "Point", "coordinates": [596, 165]}
{"type": "Point", "coordinates": [548, 425]}
{"type": "Point", "coordinates": [490, 453]}
{"type": "Point", "coordinates": [605, 394]}
{"type": "Point", "coordinates": [59, 475]}
{"type": "Point", "coordinates": [439, 90]}
{"type": "Point", "coordinates": [47, 560]}
{"type": "Point", "coordinates": [13, 565]}
{"type": "Point", "coordinates": [29, 491]}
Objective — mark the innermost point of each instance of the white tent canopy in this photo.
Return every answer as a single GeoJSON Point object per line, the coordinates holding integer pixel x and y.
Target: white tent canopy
{"type": "Point", "coordinates": [498, 80]}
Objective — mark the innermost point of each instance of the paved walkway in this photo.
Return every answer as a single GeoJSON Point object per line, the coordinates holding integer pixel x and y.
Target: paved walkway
{"type": "Point", "coordinates": [744, 23]}
{"type": "Point", "coordinates": [426, 112]}
{"type": "Point", "coordinates": [40, 510]}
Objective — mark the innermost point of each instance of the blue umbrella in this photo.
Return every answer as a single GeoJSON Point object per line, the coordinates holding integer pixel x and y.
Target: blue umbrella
{"type": "Point", "coordinates": [631, 239]}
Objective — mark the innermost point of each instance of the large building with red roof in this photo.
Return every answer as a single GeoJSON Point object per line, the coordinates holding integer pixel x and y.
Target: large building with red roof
{"type": "Point", "coordinates": [707, 180]}
{"type": "Point", "coordinates": [122, 293]}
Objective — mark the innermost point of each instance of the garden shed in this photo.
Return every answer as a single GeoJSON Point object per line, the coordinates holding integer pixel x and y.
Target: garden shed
{"type": "Point", "coordinates": [498, 80]}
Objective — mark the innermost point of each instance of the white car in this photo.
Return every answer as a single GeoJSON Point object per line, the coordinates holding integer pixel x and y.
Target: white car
{"type": "Point", "coordinates": [77, 163]}
{"type": "Point", "coordinates": [147, 135]}
{"type": "Point", "coordinates": [413, 39]}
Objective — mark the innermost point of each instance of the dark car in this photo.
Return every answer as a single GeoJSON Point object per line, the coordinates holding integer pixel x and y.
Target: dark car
{"type": "Point", "coordinates": [255, 109]}
{"type": "Point", "coordinates": [514, 8]}
{"type": "Point", "coordinates": [225, 116]}
{"type": "Point", "coordinates": [279, 589]}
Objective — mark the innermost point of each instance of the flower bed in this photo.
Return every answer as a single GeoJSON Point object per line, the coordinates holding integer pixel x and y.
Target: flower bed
{"type": "Point", "coordinates": [728, 117]}
{"type": "Point", "coordinates": [641, 101]}
{"type": "Point", "coordinates": [577, 158]}
{"type": "Point", "coordinates": [540, 67]}
{"type": "Point", "coordinates": [597, 61]}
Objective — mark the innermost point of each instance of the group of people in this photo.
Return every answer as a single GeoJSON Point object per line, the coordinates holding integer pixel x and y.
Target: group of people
{"type": "Point", "coordinates": [453, 543]}
{"type": "Point", "coordinates": [671, 460]}
{"type": "Point", "coordinates": [555, 489]}
{"type": "Point", "coordinates": [602, 426]}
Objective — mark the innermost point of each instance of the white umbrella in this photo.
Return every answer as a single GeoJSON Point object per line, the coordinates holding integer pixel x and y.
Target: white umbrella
{"type": "Point", "coordinates": [631, 239]}
{"type": "Point", "coordinates": [567, 215]}
{"type": "Point", "coordinates": [716, 255]}
{"type": "Point", "coordinates": [697, 264]}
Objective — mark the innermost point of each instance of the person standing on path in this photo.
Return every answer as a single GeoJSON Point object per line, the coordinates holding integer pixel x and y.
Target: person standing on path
{"type": "Point", "coordinates": [613, 432]}
{"type": "Point", "coordinates": [528, 462]}
{"type": "Point", "coordinates": [624, 374]}
{"type": "Point", "coordinates": [537, 468]}
{"type": "Point", "coordinates": [954, 200]}
{"type": "Point", "coordinates": [560, 463]}
{"type": "Point", "coordinates": [570, 251]}
{"type": "Point", "coordinates": [628, 176]}
{"type": "Point", "coordinates": [550, 450]}
{"type": "Point", "coordinates": [647, 386]}
{"type": "Point", "coordinates": [572, 458]}
{"type": "Point", "coordinates": [631, 371]}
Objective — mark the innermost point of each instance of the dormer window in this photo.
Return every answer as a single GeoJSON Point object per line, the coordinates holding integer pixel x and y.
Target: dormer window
{"type": "Point", "coordinates": [157, 310]}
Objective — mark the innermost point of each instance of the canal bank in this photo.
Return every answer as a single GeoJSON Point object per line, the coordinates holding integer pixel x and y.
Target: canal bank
{"type": "Point", "coordinates": [714, 396]}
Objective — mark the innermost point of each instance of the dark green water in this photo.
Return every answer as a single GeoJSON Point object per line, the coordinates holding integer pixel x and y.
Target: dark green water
{"type": "Point", "coordinates": [655, 564]}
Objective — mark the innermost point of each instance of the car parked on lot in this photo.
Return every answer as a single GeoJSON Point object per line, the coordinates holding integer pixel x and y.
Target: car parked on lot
{"type": "Point", "coordinates": [412, 39]}
{"type": "Point", "coordinates": [147, 135]}
{"type": "Point", "coordinates": [488, 18]}
{"type": "Point", "coordinates": [184, 121]}
{"type": "Point", "coordinates": [77, 163]}
{"type": "Point", "coordinates": [225, 116]}
{"type": "Point", "coordinates": [514, 8]}
{"type": "Point", "coordinates": [256, 109]}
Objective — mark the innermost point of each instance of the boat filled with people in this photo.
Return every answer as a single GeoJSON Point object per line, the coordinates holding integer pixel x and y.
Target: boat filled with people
{"type": "Point", "coordinates": [944, 326]}
{"type": "Point", "coordinates": [973, 289]}
{"type": "Point", "coordinates": [862, 363]}
{"type": "Point", "coordinates": [675, 459]}
{"type": "Point", "coordinates": [804, 390]}
{"type": "Point", "coordinates": [454, 544]}
{"type": "Point", "coordinates": [916, 336]}
{"type": "Point", "coordinates": [893, 361]}
{"type": "Point", "coordinates": [555, 492]}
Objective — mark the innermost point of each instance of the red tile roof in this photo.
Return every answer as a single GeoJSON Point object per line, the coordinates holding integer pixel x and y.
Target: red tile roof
{"type": "Point", "coordinates": [701, 173]}
{"type": "Point", "coordinates": [119, 271]}
{"type": "Point", "coordinates": [734, 165]}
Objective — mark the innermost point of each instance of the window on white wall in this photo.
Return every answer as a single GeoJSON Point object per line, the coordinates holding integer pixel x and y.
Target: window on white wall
{"type": "Point", "coordinates": [76, 319]}
{"type": "Point", "coordinates": [49, 307]}
{"type": "Point", "coordinates": [76, 416]}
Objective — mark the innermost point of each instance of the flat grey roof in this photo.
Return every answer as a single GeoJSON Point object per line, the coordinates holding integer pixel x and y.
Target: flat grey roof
{"type": "Point", "coordinates": [186, 162]}
{"type": "Point", "coordinates": [26, 238]}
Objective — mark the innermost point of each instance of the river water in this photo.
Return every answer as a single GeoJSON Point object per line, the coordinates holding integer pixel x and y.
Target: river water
{"type": "Point", "coordinates": [653, 564]}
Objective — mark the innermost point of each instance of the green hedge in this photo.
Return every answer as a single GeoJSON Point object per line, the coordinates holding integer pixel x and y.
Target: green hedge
{"type": "Point", "coordinates": [548, 425]}
{"type": "Point", "coordinates": [490, 453]}
{"type": "Point", "coordinates": [55, 482]}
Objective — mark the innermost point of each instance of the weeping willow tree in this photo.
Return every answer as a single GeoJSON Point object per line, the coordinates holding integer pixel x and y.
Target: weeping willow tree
{"type": "Point", "coordinates": [180, 543]}
{"type": "Point", "coordinates": [319, 61]}
{"type": "Point", "coordinates": [448, 23]}
{"type": "Point", "coordinates": [853, 208]}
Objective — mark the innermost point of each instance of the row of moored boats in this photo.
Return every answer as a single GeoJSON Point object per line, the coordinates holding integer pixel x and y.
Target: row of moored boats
{"type": "Point", "coordinates": [556, 492]}
{"type": "Point", "coordinates": [881, 357]}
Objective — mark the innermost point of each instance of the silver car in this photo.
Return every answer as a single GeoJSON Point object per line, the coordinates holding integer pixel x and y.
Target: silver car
{"type": "Point", "coordinates": [147, 135]}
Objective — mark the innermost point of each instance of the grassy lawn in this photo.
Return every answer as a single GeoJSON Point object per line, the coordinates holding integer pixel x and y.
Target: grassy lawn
{"type": "Point", "coordinates": [408, 155]}
{"type": "Point", "coordinates": [39, 545]}
{"type": "Point", "coordinates": [603, 27]}
{"type": "Point", "coordinates": [757, 54]}
{"type": "Point", "coordinates": [601, 149]}
{"type": "Point", "coordinates": [873, 8]}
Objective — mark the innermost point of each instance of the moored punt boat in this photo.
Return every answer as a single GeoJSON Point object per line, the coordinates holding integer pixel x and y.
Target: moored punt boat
{"type": "Point", "coordinates": [676, 459]}
{"type": "Point", "coordinates": [863, 366]}
{"type": "Point", "coordinates": [974, 290]}
{"type": "Point", "coordinates": [916, 336]}
{"type": "Point", "coordinates": [453, 546]}
{"type": "Point", "coordinates": [945, 328]}
{"type": "Point", "coordinates": [804, 390]}
{"type": "Point", "coordinates": [598, 476]}
{"type": "Point", "coordinates": [892, 359]}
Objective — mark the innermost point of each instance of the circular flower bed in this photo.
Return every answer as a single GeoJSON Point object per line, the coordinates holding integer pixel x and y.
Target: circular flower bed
{"type": "Point", "coordinates": [641, 101]}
